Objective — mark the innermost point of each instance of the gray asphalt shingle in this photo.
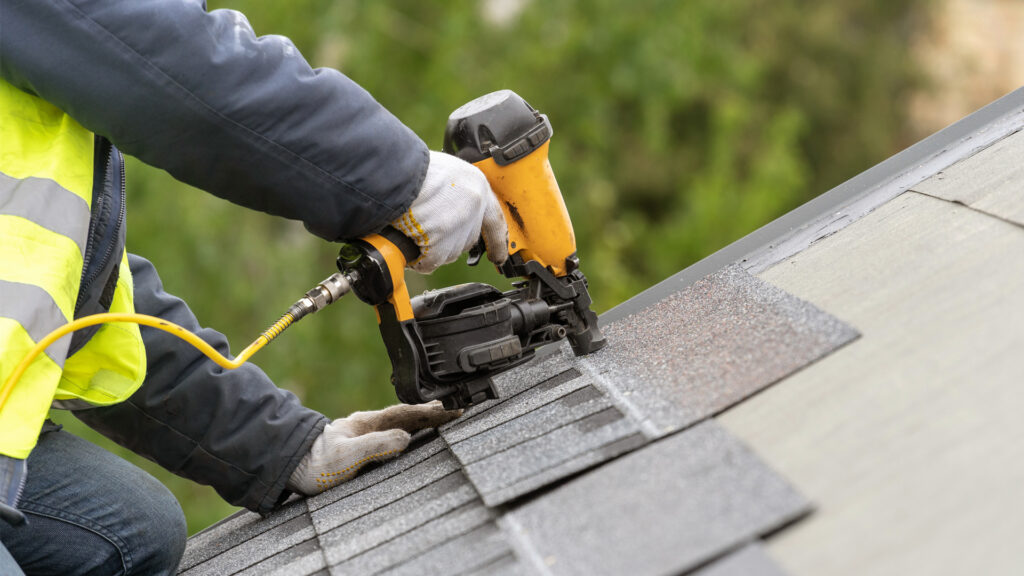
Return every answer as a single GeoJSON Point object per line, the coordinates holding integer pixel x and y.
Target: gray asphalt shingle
{"type": "Point", "coordinates": [235, 530]}
{"type": "Point", "coordinates": [509, 408]}
{"type": "Point", "coordinates": [747, 561]}
{"type": "Point", "coordinates": [281, 538]}
{"type": "Point", "coordinates": [701, 350]}
{"type": "Point", "coordinates": [478, 550]}
{"type": "Point", "coordinates": [497, 477]}
{"type": "Point", "coordinates": [665, 508]}
{"type": "Point", "coordinates": [415, 543]}
{"type": "Point", "coordinates": [397, 518]}
{"type": "Point", "coordinates": [571, 407]}
{"type": "Point", "coordinates": [302, 560]}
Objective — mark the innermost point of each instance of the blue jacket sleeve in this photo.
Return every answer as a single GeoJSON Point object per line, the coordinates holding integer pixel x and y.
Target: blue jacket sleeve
{"type": "Point", "coordinates": [199, 95]}
{"type": "Point", "coordinates": [230, 429]}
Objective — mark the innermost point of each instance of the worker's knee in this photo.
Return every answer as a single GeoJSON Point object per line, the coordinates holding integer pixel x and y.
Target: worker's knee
{"type": "Point", "coordinates": [90, 508]}
{"type": "Point", "coordinates": [157, 532]}
{"type": "Point", "coordinates": [147, 524]}
{"type": "Point", "coordinates": [137, 530]}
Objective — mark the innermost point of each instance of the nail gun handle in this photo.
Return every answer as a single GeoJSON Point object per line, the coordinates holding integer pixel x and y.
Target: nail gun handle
{"type": "Point", "coordinates": [378, 261]}
{"type": "Point", "coordinates": [407, 246]}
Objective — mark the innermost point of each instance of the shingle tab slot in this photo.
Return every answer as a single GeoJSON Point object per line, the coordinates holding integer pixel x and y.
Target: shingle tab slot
{"type": "Point", "coordinates": [476, 550]}
{"type": "Point", "coordinates": [530, 458]}
{"type": "Point", "coordinates": [569, 408]}
{"type": "Point", "coordinates": [565, 469]}
{"type": "Point", "coordinates": [542, 393]}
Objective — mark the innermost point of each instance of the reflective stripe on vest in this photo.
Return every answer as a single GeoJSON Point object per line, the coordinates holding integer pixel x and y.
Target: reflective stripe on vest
{"type": "Point", "coordinates": [46, 181]}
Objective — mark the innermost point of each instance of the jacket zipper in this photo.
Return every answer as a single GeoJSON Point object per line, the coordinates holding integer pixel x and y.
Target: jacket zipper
{"type": "Point", "coordinates": [21, 485]}
{"type": "Point", "coordinates": [121, 213]}
{"type": "Point", "coordinates": [86, 282]}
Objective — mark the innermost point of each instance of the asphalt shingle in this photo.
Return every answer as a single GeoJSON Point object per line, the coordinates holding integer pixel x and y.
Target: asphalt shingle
{"type": "Point", "coordinates": [665, 508]}
{"type": "Point", "coordinates": [397, 518]}
{"type": "Point", "coordinates": [303, 559]}
{"type": "Point", "coordinates": [234, 530]}
{"type": "Point", "coordinates": [701, 350]}
{"type": "Point", "coordinates": [747, 561]}
{"type": "Point", "coordinates": [497, 477]}
{"type": "Point", "coordinates": [571, 407]}
{"type": "Point", "coordinates": [267, 544]}
{"type": "Point", "coordinates": [416, 542]}
{"type": "Point", "coordinates": [481, 549]}
{"type": "Point", "coordinates": [537, 395]}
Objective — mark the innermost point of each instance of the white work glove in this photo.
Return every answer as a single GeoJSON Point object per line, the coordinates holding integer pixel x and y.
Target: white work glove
{"type": "Point", "coordinates": [348, 444]}
{"type": "Point", "coordinates": [454, 207]}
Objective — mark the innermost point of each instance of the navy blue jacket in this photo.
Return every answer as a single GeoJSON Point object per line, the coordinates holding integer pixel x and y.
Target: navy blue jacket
{"type": "Point", "coordinates": [247, 119]}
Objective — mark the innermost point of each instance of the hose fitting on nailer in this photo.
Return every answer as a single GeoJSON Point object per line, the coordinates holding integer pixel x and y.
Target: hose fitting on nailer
{"type": "Point", "coordinates": [323, 294]}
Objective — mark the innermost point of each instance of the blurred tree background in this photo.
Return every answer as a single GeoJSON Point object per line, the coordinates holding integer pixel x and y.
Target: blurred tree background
{"type": "Point", "coordinates": [678, 128]}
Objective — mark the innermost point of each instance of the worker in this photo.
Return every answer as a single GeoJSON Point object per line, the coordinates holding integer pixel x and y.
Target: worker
{"type": "Point", "coordinates": [199, 95]}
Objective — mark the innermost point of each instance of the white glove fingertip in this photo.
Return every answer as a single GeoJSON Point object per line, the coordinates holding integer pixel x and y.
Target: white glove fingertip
{"type": "Point", "coordinates": [386, 444]}
{"type": "Point", "coordinates": [495, 232]}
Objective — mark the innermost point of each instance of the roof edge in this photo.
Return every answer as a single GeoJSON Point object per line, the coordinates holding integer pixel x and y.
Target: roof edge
{"type": "Point", "coordinates": [832, 211]}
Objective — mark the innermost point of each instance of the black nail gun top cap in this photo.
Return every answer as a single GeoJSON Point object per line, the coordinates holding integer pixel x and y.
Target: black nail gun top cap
{"type": "Point", "coordinates": [499, 125]}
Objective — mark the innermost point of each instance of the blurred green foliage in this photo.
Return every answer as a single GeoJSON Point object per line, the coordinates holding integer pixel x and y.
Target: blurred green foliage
{"type": "Point", "coordinates": [679, 127]}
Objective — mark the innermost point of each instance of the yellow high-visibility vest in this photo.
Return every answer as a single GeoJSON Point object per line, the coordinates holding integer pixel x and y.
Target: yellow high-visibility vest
{"type": "Point", "coordinates": [46, 181]}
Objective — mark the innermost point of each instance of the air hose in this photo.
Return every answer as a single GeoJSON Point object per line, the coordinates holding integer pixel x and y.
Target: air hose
{"type": "Point", "coordinates": [326, 292]}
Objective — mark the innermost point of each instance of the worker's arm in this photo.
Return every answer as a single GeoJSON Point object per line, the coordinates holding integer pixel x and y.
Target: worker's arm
{"type": "Point", "coordinates": [233, 430]}
{"type": "Point", "coordinates": [199, 95]}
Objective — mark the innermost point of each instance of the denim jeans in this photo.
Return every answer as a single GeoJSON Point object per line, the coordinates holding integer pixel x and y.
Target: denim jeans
{"type": "Point", "coordinates": [90, 512]}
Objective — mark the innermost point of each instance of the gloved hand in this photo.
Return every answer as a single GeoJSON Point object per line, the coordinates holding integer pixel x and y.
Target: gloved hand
{"type": "Point", "coordinates": [453, 208]}
{"type": "Point", "coordinates": [12, 480]}
{"type": "Point", "coordinates": [348, 444]}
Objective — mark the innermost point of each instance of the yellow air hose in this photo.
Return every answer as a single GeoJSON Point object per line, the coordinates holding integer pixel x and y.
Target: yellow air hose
{"type": "Point", "coordinates": [327, 292]}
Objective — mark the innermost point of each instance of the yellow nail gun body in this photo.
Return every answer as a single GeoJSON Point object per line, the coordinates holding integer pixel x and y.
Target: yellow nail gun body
{"type": "Point", "coordinates": [446, 344]}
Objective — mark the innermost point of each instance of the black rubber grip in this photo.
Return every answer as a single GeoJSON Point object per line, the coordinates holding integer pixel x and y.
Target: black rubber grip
{"type": "Point", "coordinates": [405, 245]}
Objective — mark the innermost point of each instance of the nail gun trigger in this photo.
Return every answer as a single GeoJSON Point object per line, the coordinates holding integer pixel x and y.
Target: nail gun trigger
{"type": "Point", "coordinates": [476, 252]}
